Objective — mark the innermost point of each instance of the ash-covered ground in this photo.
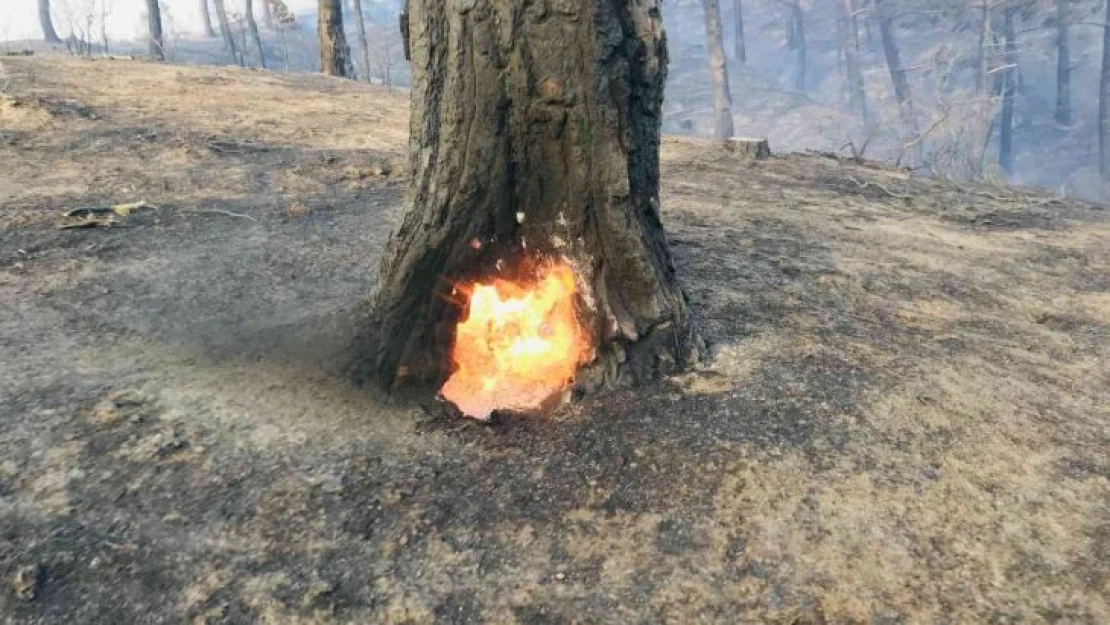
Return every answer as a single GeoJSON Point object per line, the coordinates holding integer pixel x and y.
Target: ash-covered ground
{"type": "Point", "coordinates": [906, 416]}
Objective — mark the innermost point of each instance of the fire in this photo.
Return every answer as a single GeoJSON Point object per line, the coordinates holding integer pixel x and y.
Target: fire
{"type": "Point", "coordinates": [520, 344]}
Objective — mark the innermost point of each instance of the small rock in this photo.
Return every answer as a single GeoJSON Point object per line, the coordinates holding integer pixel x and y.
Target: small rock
{"type": "Point", "coordinates": [297, 210]}
{"type": "Point", "coordinates": [26, 582]}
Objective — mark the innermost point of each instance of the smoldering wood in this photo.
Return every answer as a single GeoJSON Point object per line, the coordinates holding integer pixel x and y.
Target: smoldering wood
{"type": "Point", "coordinates": [535, 133]}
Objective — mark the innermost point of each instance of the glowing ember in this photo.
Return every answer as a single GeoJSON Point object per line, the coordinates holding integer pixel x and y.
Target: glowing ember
{"type": "Point", "coordinates": [520, 344]}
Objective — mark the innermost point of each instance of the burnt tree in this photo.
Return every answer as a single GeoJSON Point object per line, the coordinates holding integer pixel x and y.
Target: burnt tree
{"type": "Point", "coordinates": [718, 70]}
{"type": "Point", "coordinates": [740, 51]}
{"type": "Point", "coordinates": [849, 47]}
{"type": "Point", "coordinates": [534, 134]}
{"type": "Point", "coordinates": [48, 32]}
{"type": "Point", "coordinates": [252, 27]}
{"type": "Point", "coordinates": [893, 56]}
{"type": "Point", "coordinates": [1009, 90]}
{"type": "Point", "coordinates": [335, 56]}
{"type": "Point", "coordinates": [1104, 99]}
{"type": "Point", "coordinates": [206, 16]}
{"type": "Point", "coordinates": [154, 30]}
{"type": "Point", "coordinates": [1063, 63]}
{"type": "Point", "coordinates": [363, 44]}
{"type": "Point", "coordinates": [226, 33]}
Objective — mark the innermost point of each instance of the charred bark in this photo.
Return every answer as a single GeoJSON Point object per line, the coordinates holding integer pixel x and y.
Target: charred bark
{"type": "Point", "coordinates": [534, 134]}
{"type": "Point", "coordinates": [225, 32]}
{"type": "Point", "coordinates": [1006, 123]}
{"type": "Point", "coordinates": [206, 16]}
{"type": "Point", "coordinates": [154, 30]}
{"type": "Point", "coordinates": [48, 32]}
{"type": "Point", "coordinates": [335, 56]}
{"type": "Point", "coordinates": [740, 51]}
{"type": "Point", "coordinates": [1063, 63]}
{"type": "Point", "coordinates": [718, 70]}
{"type": "Point", "coordinates": [363, 44]}
{"type": "Point", "coordinates": [252, 26]}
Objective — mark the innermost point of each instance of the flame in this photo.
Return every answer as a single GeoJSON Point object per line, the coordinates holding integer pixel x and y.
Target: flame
{"type": "Point", "coordinates": [520, 344]}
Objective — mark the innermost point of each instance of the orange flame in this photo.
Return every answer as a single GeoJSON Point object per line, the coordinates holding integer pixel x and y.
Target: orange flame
{"type": "Point", "coordinates": [519, 346]}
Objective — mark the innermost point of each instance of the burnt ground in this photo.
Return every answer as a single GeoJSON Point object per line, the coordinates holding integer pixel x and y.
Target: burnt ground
{"type": "Point", "coordinates": [906, 417]}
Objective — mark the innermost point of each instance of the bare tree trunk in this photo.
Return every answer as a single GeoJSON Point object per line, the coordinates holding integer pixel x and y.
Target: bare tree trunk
{"type": "Point", "coordinates": [154, 30]}
{"type": "Point", "coordinates": [1006, 123]}
{"type": "Point", "coordinates": [540, 145]}
{"type": "Point", "coordinates": [267, 15]}
{"type": "Point", "coordinates": [48, 32]}
{"type": "Point", "coordinates": [1063, 63]}
{"type": "Point", "coordinates": [206, 16]}
{"type": "Point", "coordinates": [334, 53]}
{"type": "Point", "coordinates": [248, 15]}
{"type": "Point", "coordinates": [741, 51]}
{"type": "Point", "coordinates": [982, 59]}
{"type": "Point", "coordinates": [718, 70]}
{"type": "Point", "coordinates": [894, 61]}
{"type": "Point", "coordinates": [1104, 99]}
{"type": "Point", "coordinates": [797, 18]}
{"type": "Point", "coordinates": [857, 99]}
{"type": "Point", "coordinates": [225, 32]}
{"type": "Point", "coordinates": [364, 46]}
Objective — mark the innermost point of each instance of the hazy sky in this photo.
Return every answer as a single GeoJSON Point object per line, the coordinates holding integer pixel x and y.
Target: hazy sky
{"type": "Point", "coordinates": [19, 18]}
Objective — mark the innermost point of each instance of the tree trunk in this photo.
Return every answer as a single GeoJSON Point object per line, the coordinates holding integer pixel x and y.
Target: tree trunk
{"type": "Point", "coordinates": [718, 70]}
{"type": "Point", "coordinates": [894, 62]}
{"type": "Point", "coordinates": [856, 94]}
{"type": "Point", "coordinates": [800, 41]}
{"type": "Point", "coordinates": [48, 32]}
{"type": "Point", "coordinates": [982, 59]}
{"type": "Point", "coordinates": [334, 53]}
{"type": "Point", "coordinates": [1063, 64]}
{"type": "Point", "coordinates": [1006, 123]}
{"type": "Point", "coordinates": [1104, 99]}
{"type": "Point", "coordinates": [248, 15]}
{"type": "Point", "coordinates": [534, 134]}
{"type": "Point", "coordinates": [267, 15]}
{"type": "Point", "coordinates": [226, 34]}
{"type": "Point", "coordinates": [154, 30]}
{"type": "Point", "coordinates": [363, 45]}
{"type": "Point", "coordinates": [207, 18]}
{"type": "Point", "coordinates": [741, 51]}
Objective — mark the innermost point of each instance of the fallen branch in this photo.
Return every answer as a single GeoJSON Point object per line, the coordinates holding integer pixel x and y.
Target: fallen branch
{"type": "Point", "coordinates": [863, 184]}
{"type": "Point", "coordinates": [217, 211]}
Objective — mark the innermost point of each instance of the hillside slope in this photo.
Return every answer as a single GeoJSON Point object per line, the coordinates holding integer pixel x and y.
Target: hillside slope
{"type": "Point", "coordinates": [905, 418]}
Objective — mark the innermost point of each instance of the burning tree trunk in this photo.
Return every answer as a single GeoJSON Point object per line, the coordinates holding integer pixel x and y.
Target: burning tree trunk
{"type": "Point", "coordinates": [534, 148]}
{"type": "Point", "coordinates": [1006, 123]}
{"type": "Point", "coordinates": [252, 26]}
{"type": "Point", "coordinates": [1063, 63]}
{"type": "Point", "coordinates": [154, 30]}
{"type": "Point", "coordinates": [363, 45]}
{"type": "Point", "coordinates": [741, 50]}
{"type": "Point", "coordinates": [718, 70]}
{"type": "Point", "coordinates": [207, 17]}
{"type": "Point", "coordinates": [48, 32]}
{"type": "Point", "coordinates": [334, 53]}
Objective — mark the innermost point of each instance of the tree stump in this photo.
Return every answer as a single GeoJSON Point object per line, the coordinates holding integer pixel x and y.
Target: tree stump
{"type": "Point", "coordinates": [534, 134]}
